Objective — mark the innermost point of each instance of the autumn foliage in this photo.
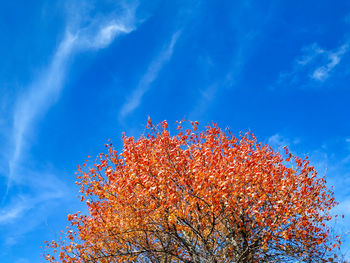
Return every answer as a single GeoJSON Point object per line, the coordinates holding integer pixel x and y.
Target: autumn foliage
{"type": "Point", "coordinates": [198, 197]}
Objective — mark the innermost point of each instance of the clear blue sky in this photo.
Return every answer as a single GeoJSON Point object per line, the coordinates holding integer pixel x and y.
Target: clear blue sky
{"type": "Point", "coordinates": [76, 73]}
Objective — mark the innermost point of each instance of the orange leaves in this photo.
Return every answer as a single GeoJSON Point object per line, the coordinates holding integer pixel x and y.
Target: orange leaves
{"type": "Point", "coordinates": [224, 194]}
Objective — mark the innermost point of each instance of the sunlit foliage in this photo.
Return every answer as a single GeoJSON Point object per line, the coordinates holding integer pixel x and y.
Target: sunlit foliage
{"type": "Point", "coordinates": [198, 196]}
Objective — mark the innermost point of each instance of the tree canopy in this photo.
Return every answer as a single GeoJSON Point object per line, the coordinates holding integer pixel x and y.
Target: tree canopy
{"type": "Point", "coordinates": [198, 196]}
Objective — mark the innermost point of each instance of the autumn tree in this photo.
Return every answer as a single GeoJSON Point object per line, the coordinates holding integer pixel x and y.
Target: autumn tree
{"type": "Point", "coordinates": [198, 197]}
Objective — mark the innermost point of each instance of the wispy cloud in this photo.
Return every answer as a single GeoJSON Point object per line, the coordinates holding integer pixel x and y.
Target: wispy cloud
{"type": "Point", "coordinates": [41, 194]}
{"type": "Point", "coordinates": [334, 57]}
{"type": "Point", "coordinates": [313, 67]}
{"type": "Point", "coordinates": [248, 33]}
{"type": "Point", "coordinates": [40, 190]}
{"type": "Point", "coordinates": [10, 213]}
{"type": "Point", "coordinates": [45, 90]}
{"type": "Point", "coordinates": [108, 33]}
{"type": "Point", "coordinates": [309, 53]}
{"type": "Point", "coordinates": [149, 77]}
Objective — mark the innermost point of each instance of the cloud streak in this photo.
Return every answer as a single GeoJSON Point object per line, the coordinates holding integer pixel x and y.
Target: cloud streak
{"type": "Point", "coordinates": [40, 190]}
{"type": "Point", "coordinates": [11, 213]}
{"type": "Point", "coordinates": [45, 90]}
{"type": "Point", "coordinates": [149, 77]}
{"type": "Point", "coordinates": [247, 36]}
{"type": "Point", "coordinates": [314, 66]}
{"type": "Point", "coordinates": [334, 57]}
{"type": "Point", "coordinates": [32, 205]}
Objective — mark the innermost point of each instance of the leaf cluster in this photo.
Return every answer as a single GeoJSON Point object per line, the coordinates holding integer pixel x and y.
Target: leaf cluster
{"type": "Point", "coordinates": [199, 196]}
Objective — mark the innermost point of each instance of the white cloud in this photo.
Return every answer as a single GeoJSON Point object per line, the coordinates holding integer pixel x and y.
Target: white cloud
{"type": "Point", "coordinates": [309, 54]}
{"type": "Point", "coordinates": [45, 90]}
{"type": "Point", "coordinates": [149, 77]}
{"type": "Point", "coordinates": [40, 95]}
{"type": "Point", "coordinates": [314, 66]}
{"type": "Point", "coordinates": [106, 35]}
{"type": "Point", "coordinates": [334, 57]}
{"type": "Point", "coordinates": [40, 190]}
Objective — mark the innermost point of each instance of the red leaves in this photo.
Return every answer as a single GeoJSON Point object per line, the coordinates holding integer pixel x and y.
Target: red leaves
{"type": "Point", "coordinates": [205, 184]}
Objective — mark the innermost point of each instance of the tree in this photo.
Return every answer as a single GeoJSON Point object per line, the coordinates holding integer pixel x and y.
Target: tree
{"type": "Point", "coordinates": [198, 197]}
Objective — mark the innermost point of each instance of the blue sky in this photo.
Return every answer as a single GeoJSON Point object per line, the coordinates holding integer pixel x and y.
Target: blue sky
{"type": "Point", "coordinates": [74, 74]}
